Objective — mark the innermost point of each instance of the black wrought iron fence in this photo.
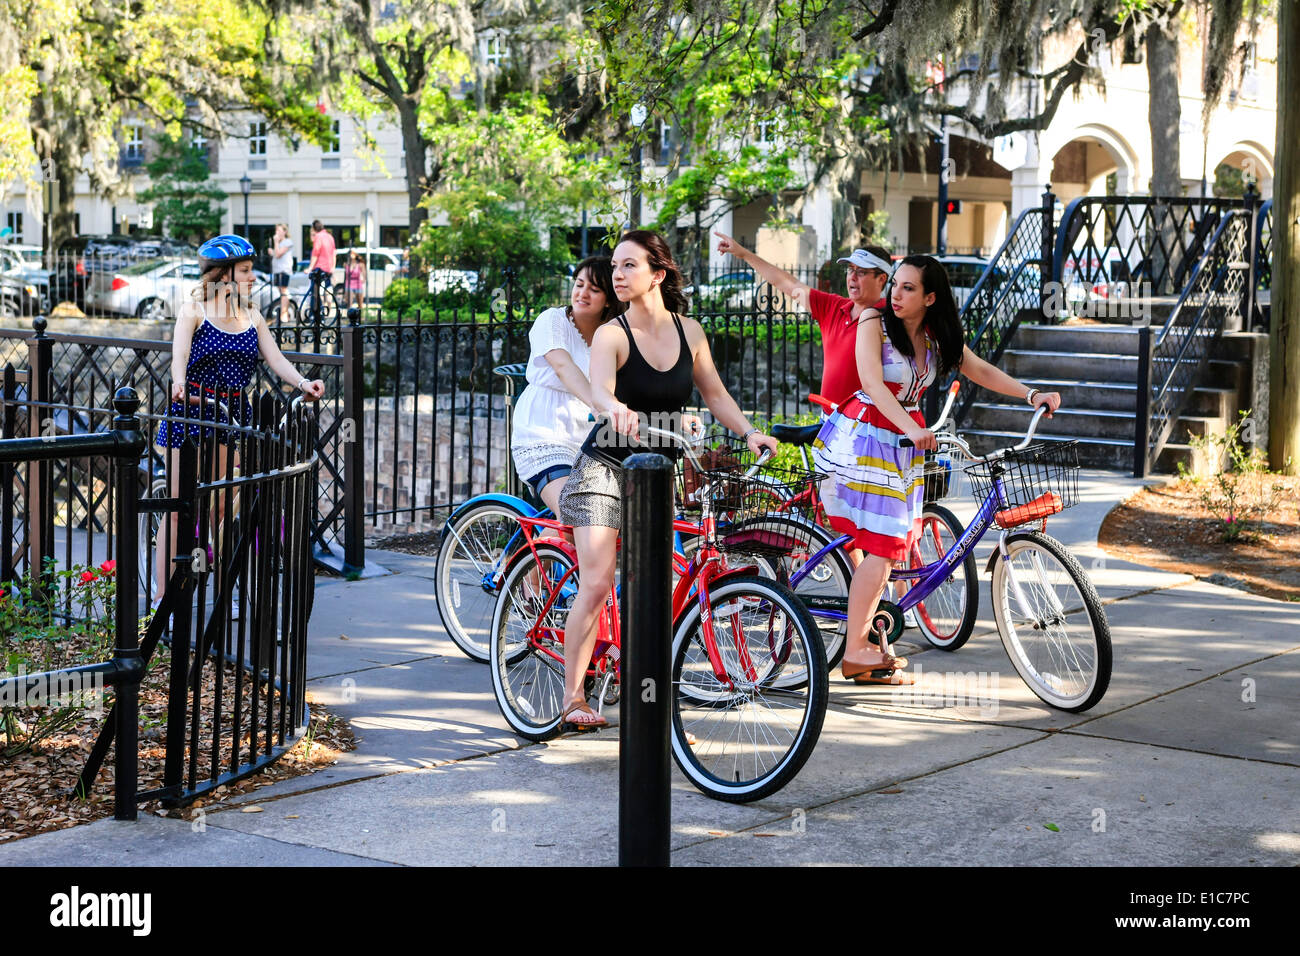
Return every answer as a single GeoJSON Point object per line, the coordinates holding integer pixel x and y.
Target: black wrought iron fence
{"type": "Point", "coordinates": [117, 450]}
{"type": "Point", "coordinates": [233, 578]}
{"type": "Point", "coordinates": [435, 417]}
{"type": "Point", "coordinates": [230, 577]}
{"type": "Point", "coordinates": [1171, 358]}
{"type": "Point", "coordinates": [68, 376]}
{"type": "Point", "coordinates": [1264, 246]}
{"type": "Point", "coordinates": [1150, 242]}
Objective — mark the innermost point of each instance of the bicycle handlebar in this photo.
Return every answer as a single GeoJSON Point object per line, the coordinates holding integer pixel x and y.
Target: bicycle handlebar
{"type": "Point", "coordinates": [688, 444]}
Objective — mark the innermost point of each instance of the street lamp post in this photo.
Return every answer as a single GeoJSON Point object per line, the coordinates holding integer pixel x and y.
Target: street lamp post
{"type": "Point", "coordinates": [245, 187]}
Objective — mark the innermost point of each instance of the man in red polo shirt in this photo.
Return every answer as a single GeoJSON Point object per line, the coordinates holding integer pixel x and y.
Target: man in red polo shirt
{"type": "Point", "coordinates": [836, 316]}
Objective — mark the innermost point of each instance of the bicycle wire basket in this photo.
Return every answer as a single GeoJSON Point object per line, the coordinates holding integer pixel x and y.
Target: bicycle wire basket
{"type": "Point", "coordinates": [1037, 481]}
{"type": "Point", "coordinates": [751, 511]}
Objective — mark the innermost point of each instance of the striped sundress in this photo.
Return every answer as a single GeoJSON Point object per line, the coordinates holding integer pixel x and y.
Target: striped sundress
{"type": "Point", "coordinates": [875, 489]}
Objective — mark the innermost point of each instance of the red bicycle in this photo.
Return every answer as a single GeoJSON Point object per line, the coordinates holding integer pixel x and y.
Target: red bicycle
{"type": "Point", "coordinates": [749, 682]}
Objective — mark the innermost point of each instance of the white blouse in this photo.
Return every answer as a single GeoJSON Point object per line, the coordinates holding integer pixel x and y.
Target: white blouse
{"type": "Point", "coordinates": [550, 423]}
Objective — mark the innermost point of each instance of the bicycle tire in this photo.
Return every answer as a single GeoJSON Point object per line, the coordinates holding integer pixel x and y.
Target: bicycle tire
{"type": "Point", "coordinates": [472, 548]}
{"type": "Point", "coordinates": [527, 679]}
{"type": "Point", "coordinates": [1064, 654]}
{"type": "Point", "coordinates": [826, 587]}
{"type": "Point", "coordinates": [947, 616]}
{"type": "Point", "coordinates": [732, 759]}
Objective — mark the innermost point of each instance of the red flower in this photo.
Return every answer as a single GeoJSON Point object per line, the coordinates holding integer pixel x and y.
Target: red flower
{"type": "Point", "coordinates": [87, 577]}
{"type": "Point", "coordinates": [109, 566]}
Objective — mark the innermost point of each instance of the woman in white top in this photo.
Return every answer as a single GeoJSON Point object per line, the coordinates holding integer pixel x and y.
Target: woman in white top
{"type": "Point", "coordinates": [550, 419]}
{"type": "Point", "coordinates": [281, 249]}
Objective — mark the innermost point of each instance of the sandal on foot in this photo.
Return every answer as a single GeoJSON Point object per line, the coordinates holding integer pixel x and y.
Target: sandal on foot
{"type": "Point", "coordinates": [591, 721]}
{"type": "Point", "coordinates": [890, 663]}
{"type": "Point", "coordinates": [890, 676]}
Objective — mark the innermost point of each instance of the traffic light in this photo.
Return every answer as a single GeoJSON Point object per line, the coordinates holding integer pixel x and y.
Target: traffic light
{"type": "Point", "coordinates": [952, 207]}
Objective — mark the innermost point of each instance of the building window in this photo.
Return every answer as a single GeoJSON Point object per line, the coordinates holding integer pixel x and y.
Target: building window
{"type": "Point", "coordinates": [14, 220]}
{"type": "Point", "coordinates": [492, 49]}
{"type": "Point", "coordinates": [199, 141]}
{"type": "Point", "coordinates": [330, 151]}
{"type": "Point", "coordinates": [257, 145]}
{"type": "Point", "coordinates": [133, 151]}
{"type": "Point", "coordinates": [765, 133]}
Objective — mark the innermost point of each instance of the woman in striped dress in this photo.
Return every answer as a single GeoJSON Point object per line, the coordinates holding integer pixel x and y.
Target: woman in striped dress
{"type": "Point", "coordinates": [875, 490]}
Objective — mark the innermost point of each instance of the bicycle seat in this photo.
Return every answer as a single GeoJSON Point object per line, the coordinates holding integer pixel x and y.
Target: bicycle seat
{"type": "Point", "coordinates": [796, 434]}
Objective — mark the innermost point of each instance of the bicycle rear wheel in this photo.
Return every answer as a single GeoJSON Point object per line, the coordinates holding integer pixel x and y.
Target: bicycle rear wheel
{"type": "Point", "coordinates": [527, 644]}
{"type": "Point", "coordinates": [1051, 622]}
{"type": "Point", "coordinates": [947, 615]}
{"type": "Point", "coordinates": [755, 726]}
{"type": "Point", "coordinates": [467, 574]}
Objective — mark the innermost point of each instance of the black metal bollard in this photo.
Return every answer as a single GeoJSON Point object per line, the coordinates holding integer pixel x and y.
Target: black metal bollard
{"type": "Point", "coordinates": [131, 443]}
{"type": "Point", "coordinates": [646, 615]}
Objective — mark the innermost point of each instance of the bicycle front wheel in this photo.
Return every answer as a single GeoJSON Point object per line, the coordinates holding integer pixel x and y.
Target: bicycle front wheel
{"type": "Point", "coordinates": [755, 725]}
{"type": "Point", "coordinates": [1051, 622]}
{"type": "Point", "coordinates": [468, 571]}
{"type": "Point", "coordinates": [947, 615]}
{"type": "Point", "coordinates": [527, 646]}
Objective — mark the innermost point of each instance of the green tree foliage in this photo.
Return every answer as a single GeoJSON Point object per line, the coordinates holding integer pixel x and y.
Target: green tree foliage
{"type": "Point", "coordinates": [187, 205]}
{"type": "Point", "coordinates": [164, 63]}
{"type": "Point", "coordinates": [507, 178]}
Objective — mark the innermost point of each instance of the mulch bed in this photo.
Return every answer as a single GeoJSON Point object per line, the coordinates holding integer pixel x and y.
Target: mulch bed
{"type": "Point", "coordinates": [421, 542]}
{"type": "Point", "coordinates": [1167, 527]}
{"type": "Point", "coordinates": [35, 784]}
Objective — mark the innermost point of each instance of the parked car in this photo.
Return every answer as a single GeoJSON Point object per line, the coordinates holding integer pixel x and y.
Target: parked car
{"type": "Point", "coordinates": [35, 281]}
{"type": "Point", "coordinates": [729, 291]}
{"type": "Point", "coordinates": [152, 289]}
{"type": "Point", "coordinates": [965, 272]}
{"type": "Point", "coordinates": [20, 298]}
{"type": "Point", "coordinates": [445, 280]}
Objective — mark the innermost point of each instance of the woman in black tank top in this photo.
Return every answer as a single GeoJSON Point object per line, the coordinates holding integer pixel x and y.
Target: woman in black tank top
{"type": "Point", "coordinates": [646, 363]}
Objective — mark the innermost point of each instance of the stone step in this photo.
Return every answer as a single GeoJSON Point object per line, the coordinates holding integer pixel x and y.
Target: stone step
{"type": "Point", "coordinates": [1073, 422]}
{"type": "Point", "coordinates": [1085, 339]}
{"type": "Point", "coordinates": [1037, 363]}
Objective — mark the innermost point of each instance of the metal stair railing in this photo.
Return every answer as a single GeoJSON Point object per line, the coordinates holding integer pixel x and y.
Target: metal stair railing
{"type": "Point", "coordinates": [1172, 362]}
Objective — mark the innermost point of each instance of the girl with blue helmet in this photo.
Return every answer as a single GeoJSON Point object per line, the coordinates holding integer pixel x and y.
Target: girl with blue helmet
{"type": "Point", "coordinates": [218, 341]}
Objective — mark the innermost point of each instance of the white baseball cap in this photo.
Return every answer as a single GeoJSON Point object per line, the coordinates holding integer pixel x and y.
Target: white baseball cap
{"type": "Point", "coordinates": [866, 260]}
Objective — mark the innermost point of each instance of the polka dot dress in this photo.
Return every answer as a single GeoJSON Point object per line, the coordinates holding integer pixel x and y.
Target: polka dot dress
{"type": "Point", "coordinates": [220, 361]}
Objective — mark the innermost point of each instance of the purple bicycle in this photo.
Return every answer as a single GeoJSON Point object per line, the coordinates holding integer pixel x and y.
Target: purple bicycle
{"type": "Point", "coordinates": [1047, 611]}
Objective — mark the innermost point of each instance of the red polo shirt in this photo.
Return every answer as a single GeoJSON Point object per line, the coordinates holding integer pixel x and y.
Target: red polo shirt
{"type": "Point", "coordinates": [834, 315]}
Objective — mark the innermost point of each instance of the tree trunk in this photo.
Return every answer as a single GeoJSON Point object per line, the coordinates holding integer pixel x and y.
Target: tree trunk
{"type": "Point", "coordinates": [417, 178]}
{"type": "Point", "coordinates": [1164, 109]}
{"type": "Point", "coordinates": [1284, 338]}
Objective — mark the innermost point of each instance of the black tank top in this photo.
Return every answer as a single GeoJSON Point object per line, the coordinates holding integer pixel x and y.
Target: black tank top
{"type": "Point", "coordinates": [643, 388]}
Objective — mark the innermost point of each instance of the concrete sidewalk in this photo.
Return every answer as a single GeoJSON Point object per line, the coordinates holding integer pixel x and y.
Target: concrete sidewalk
{"type": "Point", "coordinates": [1192, 757]}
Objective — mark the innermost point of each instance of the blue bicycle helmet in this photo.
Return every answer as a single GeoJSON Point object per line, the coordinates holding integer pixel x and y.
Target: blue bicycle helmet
{"type": "Point", "coordinates": [225, 251]}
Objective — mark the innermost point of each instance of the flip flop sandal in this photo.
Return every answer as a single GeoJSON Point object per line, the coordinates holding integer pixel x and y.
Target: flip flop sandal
{"type": "Point", "coordinates": [890, 676]}
{"type": "Point", "coordinates": [584, 725]}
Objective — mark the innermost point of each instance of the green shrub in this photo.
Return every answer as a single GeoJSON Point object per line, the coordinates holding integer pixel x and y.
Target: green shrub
{"type": "Point", "coordinates": [1239, 493]}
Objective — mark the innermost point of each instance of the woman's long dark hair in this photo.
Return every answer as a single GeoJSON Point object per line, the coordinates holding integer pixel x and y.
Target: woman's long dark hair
{"type": "Point", "coordinates": [661, 257]}
{"type": "Point", "coordinates": [601, 272]}
{"type": "Point", "coordinates": [940, 322]}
